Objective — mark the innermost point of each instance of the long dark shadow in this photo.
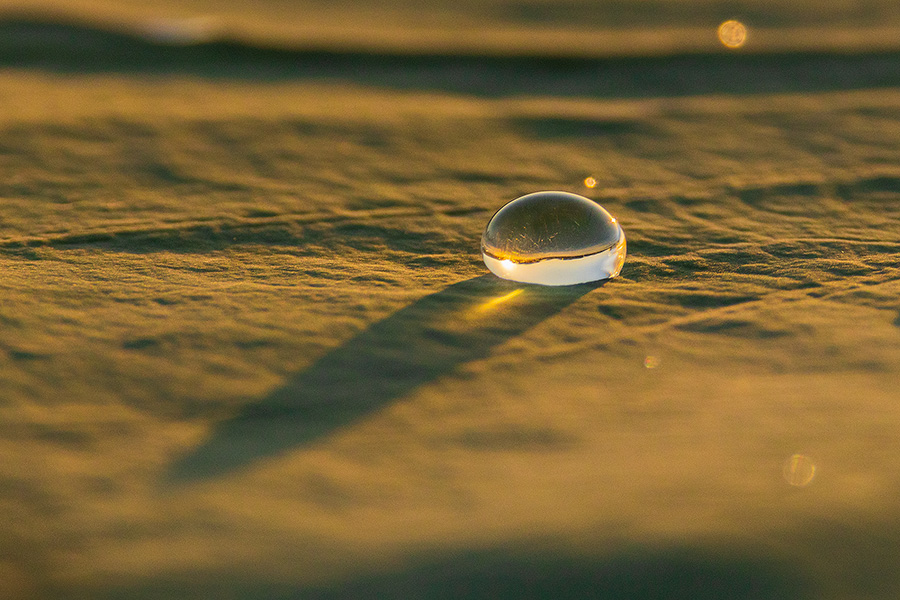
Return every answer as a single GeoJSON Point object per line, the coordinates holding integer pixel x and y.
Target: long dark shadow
{"type": "Point", "coordinates": [389, 360]}
{"type": "Point", "coordinates": [79, 48]}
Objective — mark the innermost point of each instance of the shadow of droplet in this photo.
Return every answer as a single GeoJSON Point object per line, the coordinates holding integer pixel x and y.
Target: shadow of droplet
{"type": "Point", "coordinates": [413, 346]}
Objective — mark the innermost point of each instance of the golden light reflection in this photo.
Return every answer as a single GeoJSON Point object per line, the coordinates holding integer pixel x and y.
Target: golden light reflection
{"type": "Point", "coordinates": [491, 304]}
{"type": "Point", "coordinates": [590, 182]}
{"type": "Point", "coordinates": [799, 470]}
{"type": "Point", "coordinates": [651, 362]}
{"type": "Point", "coordinates": [732, 34]}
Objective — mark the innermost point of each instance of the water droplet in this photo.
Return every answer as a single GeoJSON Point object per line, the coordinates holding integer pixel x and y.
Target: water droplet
{"type": "Point", "coordinates": [799, 470]}
{"type": "Point", "coordinates": [553, 238]}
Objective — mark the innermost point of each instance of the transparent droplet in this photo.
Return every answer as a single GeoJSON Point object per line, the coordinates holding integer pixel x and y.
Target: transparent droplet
{"type": "Point", "coordinates": [553, 238]}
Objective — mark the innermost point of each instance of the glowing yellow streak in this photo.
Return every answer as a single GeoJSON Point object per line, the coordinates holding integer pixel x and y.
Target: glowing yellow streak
{"type": "Point", "coordinates": [495, 302]}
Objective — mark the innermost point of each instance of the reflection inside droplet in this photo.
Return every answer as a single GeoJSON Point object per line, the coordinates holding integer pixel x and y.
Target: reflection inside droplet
{"type": "Point", "coordinates": [553, 238]}
{"type": "Point", "coordinates": [799, 470]}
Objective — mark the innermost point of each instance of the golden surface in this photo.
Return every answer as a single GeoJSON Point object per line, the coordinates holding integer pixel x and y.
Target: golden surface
{"type": "Point", "coordinates": [234, 358]}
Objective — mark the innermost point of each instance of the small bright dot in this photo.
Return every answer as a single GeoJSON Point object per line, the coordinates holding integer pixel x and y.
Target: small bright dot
{"type": "Point", "coordinates": [799, 470]}
{"type": "Point", "coordinates": [732, 34]}
{"type": "Point", "coordinates": [651, 362]}
{"type": "Point", "coordinates": [590, 182]}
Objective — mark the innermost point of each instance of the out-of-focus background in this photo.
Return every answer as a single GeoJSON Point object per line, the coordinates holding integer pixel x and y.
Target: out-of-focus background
{"type": "Point", "coordinates": [248, 348]}
{"type": "Point", "coordinates": [610, 27]}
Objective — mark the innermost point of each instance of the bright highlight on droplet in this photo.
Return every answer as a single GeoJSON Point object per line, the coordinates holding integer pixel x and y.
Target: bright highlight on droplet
{"type": "Point", "coordinates": [732, 34]}
{"type": "Point", "coordinates": [590, 182]}
{"type": "Point", "coordinates": [651, 362]}
{"type": "Point", "coordinates": [553, 238]}
{"type": "Point", "coordinates": [799, 470]}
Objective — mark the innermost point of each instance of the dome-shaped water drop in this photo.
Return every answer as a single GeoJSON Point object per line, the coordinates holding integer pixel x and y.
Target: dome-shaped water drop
{"type": "Point", "coordinates": [553, 238]}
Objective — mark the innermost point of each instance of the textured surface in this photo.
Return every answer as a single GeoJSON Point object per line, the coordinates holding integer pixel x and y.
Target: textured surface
{"type": "Point", "coordinates": [249, 348]}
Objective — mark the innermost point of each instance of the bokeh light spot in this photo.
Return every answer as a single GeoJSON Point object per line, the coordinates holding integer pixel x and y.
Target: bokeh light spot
{"type": "Point", "coordinates": [799, 470]}
{"type": "Point", "coordinates": [651, 362]}
{"type": "Point", "coordinates": [590, 182]}
{"type": "Point", "coordinates": [732, 34]}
